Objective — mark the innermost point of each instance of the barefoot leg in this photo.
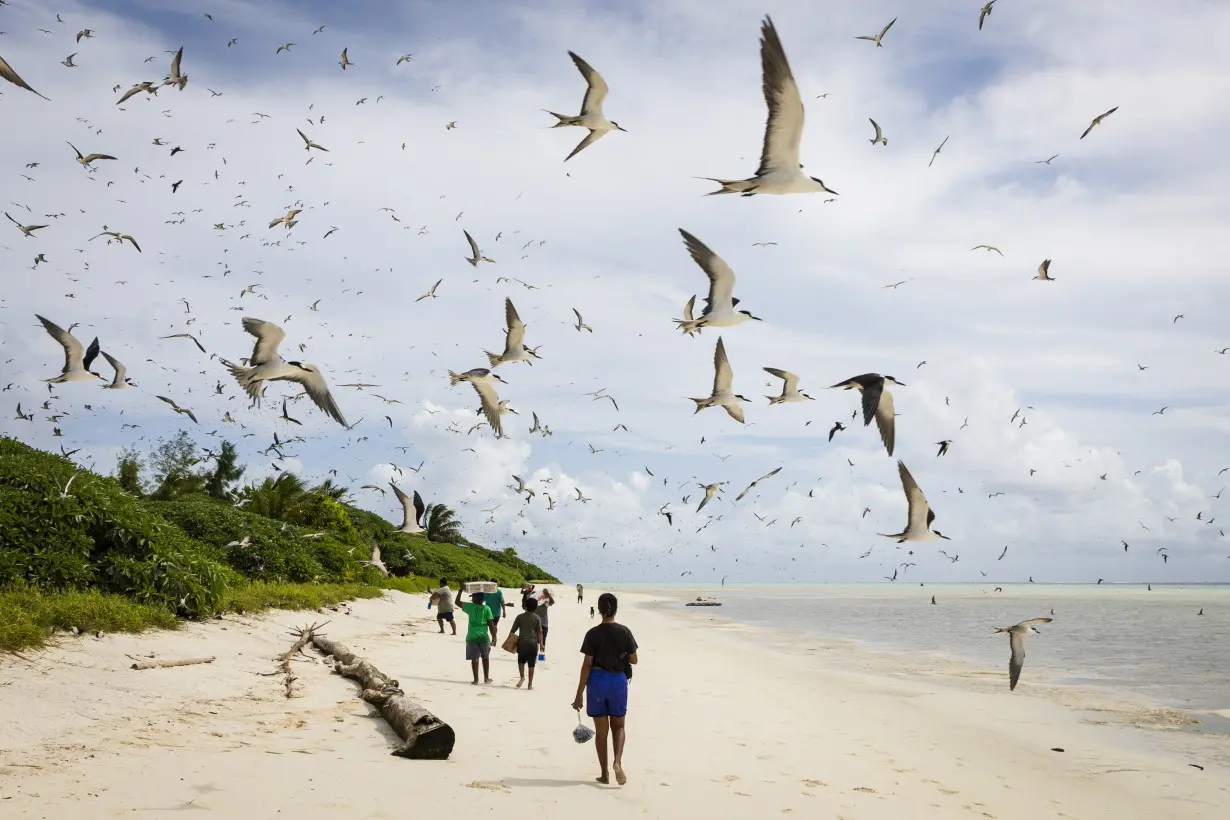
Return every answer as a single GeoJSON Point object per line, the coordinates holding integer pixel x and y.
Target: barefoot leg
{"type": "Point", "coordinates": [601, 727]}
{"type": "Point", "coordinates": [531, 677]}
{"type": "Point", "coordinates": [617, 740]}
{"type": "Point", "coordinates": [521, 669]}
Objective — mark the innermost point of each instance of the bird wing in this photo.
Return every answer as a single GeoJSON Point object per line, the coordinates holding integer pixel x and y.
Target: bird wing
{"type": "Point", "coordinates": [580, 321]}
{"type": "Point", "coordinates": [268, 337]}
{"type": "Point", "coordinates": [314, 384]}
{"type": "Point", "coordinates": [872, 388]}
{"type": "Point", "coordinates": [919, 517]}
{"type": "Point", "coordinates": [590, 139]}
{"type": "Point", "coordinates": [134, 243]}
{"type": "Point", "coordinates": [1044, 267]}
{"type": "Point", "coordinates": [876, 126]}
{"type": "Point", "coordinates": [1035, 621]}
{"type": "Point", "coordinates": [490, 402]}
{"type": "Point", "coordinates": [735, 411]}
{"type": "Point", "coordinates": [769, 474]}
{"type": "Point", "coordinates": [721, 276]}
{"type": "Point", "coordinates": [168, 401]}
{"type": "Point", "coordinates": [305, 139]}
{"type": "Point", "coordinates": [784, 126]}
{"type": "Point", "coordinates": [884, 30]}
{"type": "Point", "coordinates": [473, 244]}
{"type": "Point", "coordinates": [516, 328]}
{"type": "Point", "coordinates": [7, 72]}
{"type": "Point", "coordinates": [596, 93]}
{"type": "Point", "coordinates": [1017, 662]}
{"type": "Point", "coordinates": [73, 351]}
{"type": "Point", "coordinates": [790, 379]}
{"type": "Point", "coordinates": [884, 418]}
{"type": "Point", "coordinates": [120, 370]}
{"type": "Point", "coordinates": [179, 55]}
{"type": "Point", "coordinates": [723, 376]}
{"type": "Point", "coordinates": [419, 508]}
{"type": "Point", "coordinates": [91, 353]}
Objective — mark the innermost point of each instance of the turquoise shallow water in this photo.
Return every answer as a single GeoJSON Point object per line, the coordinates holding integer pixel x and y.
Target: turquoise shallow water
{"type": "Point", "coordinates": [1152, 645]}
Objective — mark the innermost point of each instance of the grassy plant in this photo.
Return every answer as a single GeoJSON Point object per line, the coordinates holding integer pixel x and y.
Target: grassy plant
{"type": "Point", "coordinates": [28, 616]}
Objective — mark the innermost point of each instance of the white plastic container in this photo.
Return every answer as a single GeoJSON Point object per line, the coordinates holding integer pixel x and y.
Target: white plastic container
{"type": "Point", "coordinates": [479, 586]}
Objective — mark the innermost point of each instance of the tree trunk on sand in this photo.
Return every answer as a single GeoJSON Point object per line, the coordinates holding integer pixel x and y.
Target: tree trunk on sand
{"type": "Point", "coordinates": [169, 664]}
{"type": "Point", "coordinates": [424, 736]}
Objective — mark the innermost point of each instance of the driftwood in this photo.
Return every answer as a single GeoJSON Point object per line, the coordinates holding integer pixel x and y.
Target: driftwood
{"type": "Point", "coordinates": [424, 736]}
{"type": "Point", "coordinates": [303, 636]}
{"type": "Point", "coordinates": [166, 664]}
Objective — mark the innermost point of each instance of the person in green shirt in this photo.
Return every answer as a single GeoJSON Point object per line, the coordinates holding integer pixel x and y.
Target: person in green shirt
{"type": "Point", "coordinates": [480, 634]}
{"type": "Point", "coordinates": [528, 628]}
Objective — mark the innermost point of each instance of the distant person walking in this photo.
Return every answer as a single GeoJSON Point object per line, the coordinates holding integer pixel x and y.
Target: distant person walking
{"type": "Point", "coordinates": [443, 599]}
{"type": "Point", "coordinates": [479, 635]}
{"type": "Point", "coordinates": [530, 639]}
{"type": "Point", "coordinates": [545, 602]}
{"type": "Point", "coordinates": [580, 593]}
{"type": "Point", "coordinates": [610, 651]}
{"type": "Point", "coordinates": [591, 613]}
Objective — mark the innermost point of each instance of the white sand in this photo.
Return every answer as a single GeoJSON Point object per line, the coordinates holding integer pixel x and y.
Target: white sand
{"type": "Point", "coordinates": [718, 728]}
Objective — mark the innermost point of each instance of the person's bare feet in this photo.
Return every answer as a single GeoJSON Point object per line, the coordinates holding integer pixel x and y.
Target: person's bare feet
{"type": "Point", "coordinates": [603, 779]}
{"type": "Point", "coordinates": [620, 778]}
{"type": "Point", "coordinates": [530, 688]}
{"type": "Point", "coordinates": [521, 683]}
{"type": "Point", "coordinates": [487, 680]}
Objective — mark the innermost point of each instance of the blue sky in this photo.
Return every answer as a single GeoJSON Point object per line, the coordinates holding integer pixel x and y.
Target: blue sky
{"type": "Point", "coordinates": [1132, 216]}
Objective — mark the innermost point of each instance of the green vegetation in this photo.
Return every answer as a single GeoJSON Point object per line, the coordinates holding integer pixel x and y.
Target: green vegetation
{"type": "Point", "coordinates": [125, 553]}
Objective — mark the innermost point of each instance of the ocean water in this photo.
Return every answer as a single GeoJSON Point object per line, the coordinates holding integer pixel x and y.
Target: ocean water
{"type": "Point", "coordinates": [1152, 645]}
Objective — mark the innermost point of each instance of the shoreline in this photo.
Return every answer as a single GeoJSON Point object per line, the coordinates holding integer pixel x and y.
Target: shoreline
{"type": "Point", "coordinates": [715, 719]}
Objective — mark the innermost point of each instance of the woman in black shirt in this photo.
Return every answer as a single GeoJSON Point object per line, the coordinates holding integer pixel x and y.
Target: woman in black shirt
{"type": "Point", "coordinates": [610, 651]}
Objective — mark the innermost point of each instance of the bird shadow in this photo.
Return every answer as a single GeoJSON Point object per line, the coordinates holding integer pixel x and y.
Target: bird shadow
{"type": "Point", "coordinates": [547, 783]}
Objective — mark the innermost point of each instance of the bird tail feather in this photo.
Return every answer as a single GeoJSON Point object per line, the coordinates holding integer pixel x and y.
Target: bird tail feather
{"type": "Point", "coordinates": [453, 379]}
{"type": "Point", "coordinates": [493, 359]}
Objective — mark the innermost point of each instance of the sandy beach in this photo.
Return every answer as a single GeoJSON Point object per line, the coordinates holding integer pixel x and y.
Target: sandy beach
{"type": "Point", "coordinates": [720, 726]}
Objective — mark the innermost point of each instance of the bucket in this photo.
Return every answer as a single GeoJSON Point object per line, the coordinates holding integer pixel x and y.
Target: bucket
{"type": "Point", "coordinates": [542, 656]}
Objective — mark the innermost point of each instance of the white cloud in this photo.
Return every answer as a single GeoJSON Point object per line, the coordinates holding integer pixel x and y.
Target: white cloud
{"type": "Point", "coordinates": [1131, 216]}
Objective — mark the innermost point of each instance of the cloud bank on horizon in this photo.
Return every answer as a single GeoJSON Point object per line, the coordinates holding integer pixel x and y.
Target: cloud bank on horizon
{"type": "Point", "coordinates": [1132, 216]}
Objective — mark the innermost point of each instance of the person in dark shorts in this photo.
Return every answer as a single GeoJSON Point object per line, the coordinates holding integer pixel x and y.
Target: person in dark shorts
{"type": "Point", "coordinates": [528, 628]}
{"type": "Point", "coordinates": [580, 593]}
{"type": "Point", "coordinates": [443, 599]}
{"type": "Point", "coordinates": [480, 634]}
{"type": "Point", "coordinates": [610, 651]}
{"type": "Point", "coordinates": [545, 602]}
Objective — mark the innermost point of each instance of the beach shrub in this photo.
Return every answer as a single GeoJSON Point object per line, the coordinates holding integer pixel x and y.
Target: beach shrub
{"type": "Point", "coordinates": [28, 615]}
{"type": "Point", "coordinates": [62, 528]}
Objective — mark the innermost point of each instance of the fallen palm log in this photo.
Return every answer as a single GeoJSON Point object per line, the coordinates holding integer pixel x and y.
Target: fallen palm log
{"type": "Point", "coordinates": [168, 664]}
{"type": "Point", "coordinates": [424, 736]}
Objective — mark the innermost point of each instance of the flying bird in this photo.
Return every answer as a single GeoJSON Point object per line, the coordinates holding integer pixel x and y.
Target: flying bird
{"type": "Point", "coordinates": [1016, 640]}
{"type": "Point", "coordinates": [876, 38]}
{"type": "Point", "coordinates": [27, 230]}
{"type": "Point", "coordinates": [77, 359]}
{"type": "Point", "coordinates": [984, 13]}
{"type": "Point", "coordinates": [1044, 271]}
{"type": "Point", "coordinates": [720, 303]}
{"type": "Point", "coordinates": [936, 152]}
{"type": "Point", "coordinates": [580, 325]}
{"type": "Point", "coordinates": [176, 77]}
{"type": "Point", "coordinates": [476, 255]}
{"type": "Point", "coordinates": [749, 487]}
{"type": "Point", "coordinates": [790, 387]}
{"type": "Point", "coordinates": [121, 380]}
{"type": "Point", "coordinates": [723, 393]}
{"type": "Point", "coordinates": [988, 249]}
{"type": "Point", "coordinates": [710, 490]}
{"type": "Point", "coordinates": [183, 411]}
{"type": "Point", "coordinates": [1098, 121]}
{"type": "Point", "coordinates": [345, 61]}
{"type": "Point", "coordinates": [780, 171]}
{"type": "Point", "coordinates": [879, 137]}
{"type": "Point", "coordinates": [920, 514]}
{"type": "Point", "coordinates": [943, 445]}
{"type": "Point", "coordinates": [267, 365]}
{"type": "Point", "coordinates": [483, 382]}
{"type": "Point", "coordinates": [431, 293]}
{"type": "Point", "coordinates": [591, 115]}
{"type": "Point", "coordinates": [412, 510]}
{"type": "Point", "coordinates": [514, 340]}
{"type": "Point", "coordinates": [836, 427]}
{"type": "Point", "coordinates": [308, 144]}
{"type": "Point", "coordinates": [877, 402]}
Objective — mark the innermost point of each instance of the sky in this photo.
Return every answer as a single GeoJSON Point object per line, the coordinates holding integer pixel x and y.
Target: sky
{"type": "Point", "coordinates": [1132, 217]}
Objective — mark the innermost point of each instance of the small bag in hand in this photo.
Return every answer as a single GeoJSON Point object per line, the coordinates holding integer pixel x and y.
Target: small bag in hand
{"type": "Point", "coordinates": [510, 643]}
{"type": "Point", "coordinates": [582, 734]}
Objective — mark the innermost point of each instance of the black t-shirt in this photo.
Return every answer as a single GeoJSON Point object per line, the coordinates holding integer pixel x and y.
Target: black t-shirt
{"type": "Point", "coordinates": [607, 642]}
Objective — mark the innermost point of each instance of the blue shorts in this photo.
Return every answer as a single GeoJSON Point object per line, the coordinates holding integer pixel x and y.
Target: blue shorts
{"type": "Point", "coordinates": [606, 694]}
{"type": "Point", "coordinates": [445, 616]}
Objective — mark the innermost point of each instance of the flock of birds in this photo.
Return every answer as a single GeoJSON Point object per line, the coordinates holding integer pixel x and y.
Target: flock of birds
{"type": "Point", "coordinates": [779, 172]}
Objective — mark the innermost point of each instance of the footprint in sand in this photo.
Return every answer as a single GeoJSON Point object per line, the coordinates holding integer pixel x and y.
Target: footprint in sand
{"type": "Point", "coordinates": [865, 789]}
{"type": "Point", "coordinates": [814, 783]}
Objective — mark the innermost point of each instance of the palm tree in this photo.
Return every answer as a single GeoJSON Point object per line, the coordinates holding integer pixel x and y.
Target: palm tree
{"type": "Point", "coordinates": [335, 491]}
{"type": "Point", "coordinates": [284, 498]}
{"type": "Point", "coordinates": [441, 524]}
{"type": "Point", "coordinates": [226, 471]}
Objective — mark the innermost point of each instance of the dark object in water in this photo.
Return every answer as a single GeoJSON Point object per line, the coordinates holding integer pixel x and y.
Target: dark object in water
{"type": "Point", "coordinates": [703, 603]}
